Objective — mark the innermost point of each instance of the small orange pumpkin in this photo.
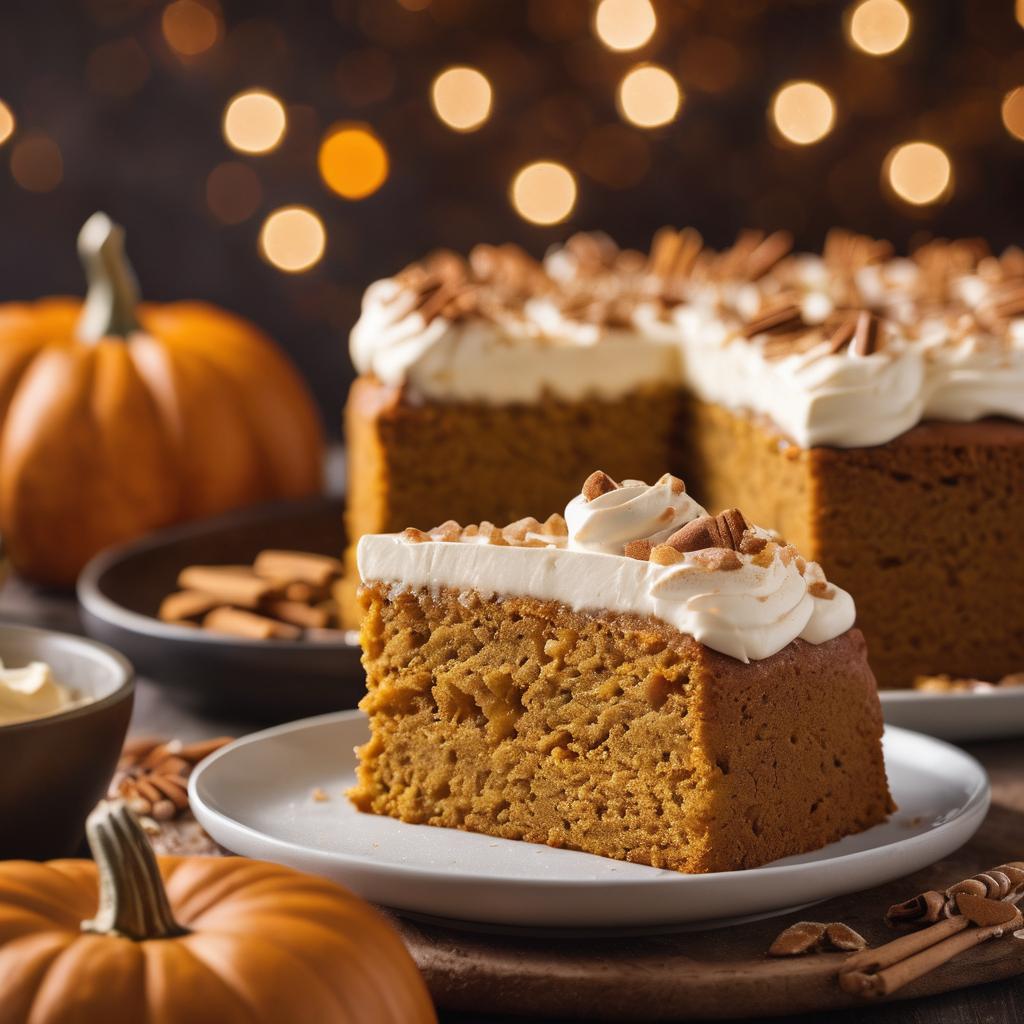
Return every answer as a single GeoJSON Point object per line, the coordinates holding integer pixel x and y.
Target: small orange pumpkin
{"type": "Point", "coordinates": [117, 418]}
{"type": "Point", "coordinates": [229, 941]}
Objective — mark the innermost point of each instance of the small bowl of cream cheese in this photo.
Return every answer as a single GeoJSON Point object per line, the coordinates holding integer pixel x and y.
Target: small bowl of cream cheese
{"type": "Point", "coordinates": [65, 702]}
{"type": "Point", "coordinates": [32, 691]}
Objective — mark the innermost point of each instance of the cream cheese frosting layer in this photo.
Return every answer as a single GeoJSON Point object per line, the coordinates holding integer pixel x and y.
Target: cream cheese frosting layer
{"type": "Point", "coordinates": [943, 358]}
{"type": "Point", "coordinates": [500, 360]}
{"type": "Point", "coordinates": [748, 612]}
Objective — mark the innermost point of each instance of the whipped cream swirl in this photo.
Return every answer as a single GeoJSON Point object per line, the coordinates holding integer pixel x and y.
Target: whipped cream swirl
{"type": "Point", "coordinates": [749, 613]}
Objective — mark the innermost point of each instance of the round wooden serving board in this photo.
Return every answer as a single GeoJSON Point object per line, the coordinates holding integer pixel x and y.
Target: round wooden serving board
{"type": "Point", "coordinates": [718, 974]}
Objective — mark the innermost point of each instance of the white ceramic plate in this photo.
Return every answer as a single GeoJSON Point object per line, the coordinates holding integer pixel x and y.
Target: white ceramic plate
{"type": "Point", "coordinates": [988, 715]}
{"type": "Point", "coordinates": [255, 798]}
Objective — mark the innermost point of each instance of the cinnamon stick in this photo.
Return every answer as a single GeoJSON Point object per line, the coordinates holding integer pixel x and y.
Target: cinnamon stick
{"type": "Point", "coordinates": [229, 584]}
{"type": "Point", "coordinates": [186, 604]}
{"type": "Point", "coordinates": [297, 566]}
{"type": "Point", "coordinates": [864, 982]}
{"type": "Point", "coordinates": [240, 623]}
{"type": "Point", "coordinates": [299, 614]}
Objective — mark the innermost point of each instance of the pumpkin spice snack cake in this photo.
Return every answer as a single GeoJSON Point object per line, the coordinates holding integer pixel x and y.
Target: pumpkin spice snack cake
{"type": "Point", "coordinates": [866, 407]}
{"type": "Point", "coordinates": [639, 680]}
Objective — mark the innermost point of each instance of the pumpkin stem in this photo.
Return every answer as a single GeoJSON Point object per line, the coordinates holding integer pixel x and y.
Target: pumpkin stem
{"type": "Point", "coordinates": [133, 901]}
{"type": "Point", "coordinates": [113, 294]}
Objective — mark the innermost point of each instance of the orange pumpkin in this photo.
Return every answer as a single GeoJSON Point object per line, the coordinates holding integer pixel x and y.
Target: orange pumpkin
{"type": "Point", "coordinates": [117, 418]}
{"type": "Point", "coordinates": [229, 941]}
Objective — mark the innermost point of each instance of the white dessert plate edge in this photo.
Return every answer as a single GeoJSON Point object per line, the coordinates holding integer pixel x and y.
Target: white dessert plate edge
{"type": "Point", "coordinates": [961, 717]}
{"type": "Point", "coordinates": [254, 797]}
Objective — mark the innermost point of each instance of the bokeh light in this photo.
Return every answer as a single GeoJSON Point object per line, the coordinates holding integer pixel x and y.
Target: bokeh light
{"type": "Point", "coordinates": [461, 97]}
{"type": "Point", "coordinates": [293, 239]}
{"type": "Point", "coordinates": [7, 122]}
{"type": "Point", "coordinates": [191, 27]}
{"type": "Point", "coordinates": [544, 192]}
{"type": "Point", "coordinates": [36, 163]}
{"type": "Point", "coordinates": [233, 192]}
{"type": "Point", "coordinates": [803, 112]}
{"type": "Point", "coordinates": [624, 24]}
{"type": "Point", "coordinates": [353, 162]}
{"type": "Point", "coordinates": [878, 27]}
{"type": "Point", "coordinates": [254, 121]}
{"type": "Point", "coordinates": [649, 96]}
{"type": "Point", "coordinates": [919, 173]}
{"type": "Point", "coordinates": [1013, 113]}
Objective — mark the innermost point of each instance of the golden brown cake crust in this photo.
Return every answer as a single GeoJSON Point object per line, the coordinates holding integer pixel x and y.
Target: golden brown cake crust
{"type": "Point", "coordinates": [616, 735]}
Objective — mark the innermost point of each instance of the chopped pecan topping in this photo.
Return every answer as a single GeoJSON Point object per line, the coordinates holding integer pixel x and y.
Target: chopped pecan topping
{"type": "Point", "coordinates": [1008, 303]}
{"type": "Point", "coordinates": [674, 253]}
{"type": "Point", "coordinates": [752, 255]}
{"type": "Point", "coordinates": [677, 485]}
{"type": "Point", "coordinates": [767, 253]}
{"type": "Point", "coordinates": [509, 267]}
{"type": "Point", "coordinates": [718, 559]}
{"type": "Point", "coordinates": [598, 483]}
{"type": "Point", "coordinates": [846, 252]}
{"type": "Point", "coordinates": [752, 544]}
{"type": "Point", "coordinates": [725, 530]}
{"type": "Point", "coordinates": [449, 530]}
{"type": "Point", "coordinates": [665, 554]}
{"type": "Point", "coordinates": [842, 335]}
{"type": "Point", "coordinates": [518, 530]}
{"type": "Point", "coordinates": [555, 526]}
{"type": "Point", "coordinates": [866, 335]}
{"type": "Point", "coordinates": [783, 318]}
{"type": "Point", "coordinates": [638, 549]}
{"type": "Point", "coordinates": [414, 536]}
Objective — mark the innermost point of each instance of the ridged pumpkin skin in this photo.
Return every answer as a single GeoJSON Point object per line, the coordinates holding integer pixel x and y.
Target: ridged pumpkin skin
{"type": "Point", "coordinates": [267, 945]}
{"type": "Point", "coordinates": [193, 414]}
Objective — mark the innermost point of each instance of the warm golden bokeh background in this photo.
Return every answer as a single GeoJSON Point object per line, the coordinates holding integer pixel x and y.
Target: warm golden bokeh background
{"type": "Point", "coordinates": [277, 156]}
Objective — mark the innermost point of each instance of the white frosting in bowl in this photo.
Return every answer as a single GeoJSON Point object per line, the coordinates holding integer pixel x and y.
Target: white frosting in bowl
{"type": "Point", "coordinates": [749, 612]}
{"type": "Point", "coordinates": [32, 692]}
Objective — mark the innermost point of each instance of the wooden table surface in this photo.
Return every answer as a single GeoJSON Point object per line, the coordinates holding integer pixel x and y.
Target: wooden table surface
{"type": "Point", "coordinates": [157, 714]}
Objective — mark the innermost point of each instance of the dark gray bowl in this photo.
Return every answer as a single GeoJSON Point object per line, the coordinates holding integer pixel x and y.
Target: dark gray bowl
{"type": "Point", "coordinates": [54, 769]}
{"type": "Point", "coordinates": [120, 591]}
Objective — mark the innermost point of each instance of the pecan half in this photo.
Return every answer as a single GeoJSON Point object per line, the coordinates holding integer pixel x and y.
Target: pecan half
{"type": "Point", "coordinates": [726, 530]}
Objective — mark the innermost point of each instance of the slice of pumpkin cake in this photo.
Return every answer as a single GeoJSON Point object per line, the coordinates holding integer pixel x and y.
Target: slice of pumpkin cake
{"type": "Point", "coordinates": [639, 680]}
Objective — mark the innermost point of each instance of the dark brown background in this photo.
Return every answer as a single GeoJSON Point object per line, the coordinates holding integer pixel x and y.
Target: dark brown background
{"type": "Point", "coordinates": [142, 149]}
